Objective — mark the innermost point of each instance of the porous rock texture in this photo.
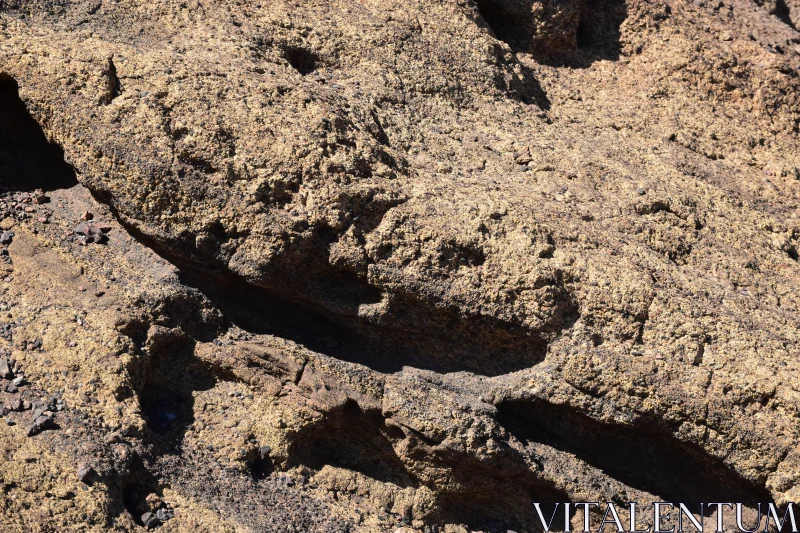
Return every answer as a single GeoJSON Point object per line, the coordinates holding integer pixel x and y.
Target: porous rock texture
{"type": "Point", "coordinates": [396, 264]}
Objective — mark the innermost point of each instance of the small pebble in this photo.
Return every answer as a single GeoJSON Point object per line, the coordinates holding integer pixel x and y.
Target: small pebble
{"type": "Point", "coordinates": [44, 421]}
{"type": "Point", "coordinates": [85, 473]}
{"type": "Point", "coordinates": [164, 514]}
{"type": "Point", "coordinates": [264, 451]}
{"type": "Point", "coordinates": [150, 520]}
{"type": "Point", "coordinates": [5, 369]}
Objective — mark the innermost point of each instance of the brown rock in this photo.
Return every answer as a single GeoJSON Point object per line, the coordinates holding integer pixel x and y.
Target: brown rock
{"type": "Point", "coordinates": [5, 369]}
{"type": "Point", "coordinates": [436, 257]}
{"type": "Point", "coordinates": [85, 473]}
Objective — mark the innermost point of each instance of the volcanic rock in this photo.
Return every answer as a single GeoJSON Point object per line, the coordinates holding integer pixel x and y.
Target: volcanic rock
{"type": "Point", "coordinates": [441, 259]}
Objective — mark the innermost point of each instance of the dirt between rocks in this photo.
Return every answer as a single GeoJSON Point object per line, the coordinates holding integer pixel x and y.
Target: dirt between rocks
{"type": "Point", "coordinates": [377, 265]}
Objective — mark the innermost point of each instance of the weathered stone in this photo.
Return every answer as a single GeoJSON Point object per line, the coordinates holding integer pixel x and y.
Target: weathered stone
{"type": "Point", "coordinates": [441, 256]}
{"type": "Point", "coordinates": [150, 520]}
{"type": "Point", "coordinates": [5, 369]}
{"type": "Point", "coordinates": [85, 473]}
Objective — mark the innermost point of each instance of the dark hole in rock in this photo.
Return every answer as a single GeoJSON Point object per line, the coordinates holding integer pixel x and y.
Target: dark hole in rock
{"type": "Point", "coordinates": [137, 485]}
{"type": "Point", "coordinates": [28, 161]}
{"type": "Point", "coordinates": [302, 60]}
{"type": "Point", "coordinates": [261, 468]}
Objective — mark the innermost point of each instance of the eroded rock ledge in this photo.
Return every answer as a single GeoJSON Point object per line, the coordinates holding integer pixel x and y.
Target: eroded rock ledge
{"type": "Point", "coordinates": [383, 264]}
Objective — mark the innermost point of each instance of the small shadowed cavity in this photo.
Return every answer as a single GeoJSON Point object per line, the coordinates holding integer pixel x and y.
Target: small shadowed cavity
{"type": "Point", "coordinates": [166, 383]}
{"type": "Point", "coordinates": [28, 161]}
{"type": "Point", "coordinates": [301, 59]}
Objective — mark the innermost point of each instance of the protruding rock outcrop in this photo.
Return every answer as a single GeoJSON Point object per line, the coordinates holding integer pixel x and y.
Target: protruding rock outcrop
{"type": "Point", "coordinates": [385, 264]}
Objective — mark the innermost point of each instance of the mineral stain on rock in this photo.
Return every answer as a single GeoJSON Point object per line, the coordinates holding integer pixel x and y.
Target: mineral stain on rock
{"type": "Point", "coordinates": [380, 265]}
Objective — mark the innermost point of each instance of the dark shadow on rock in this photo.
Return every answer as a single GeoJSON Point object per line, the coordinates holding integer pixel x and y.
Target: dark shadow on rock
{"type": "Point", "coordinates": [527, 89]}
{"type": "Point", "coordinates": [28, 161]}
{"type": "Point", "coordinates": [510, 509]}
{"type": "Point", "coordinates": [783, 12]}
{"type": "Point", "coordinates": [355, 440]}
{"type": "Point", "coordinates": [495, 494]}
{"type": "Point", "coordinates": [136, 487]}
{"type": "Point", "coordinates": [165, 377]}
{"type": "Point", "coordinates": [508, 21]}
{"type": "Point", "coordinates": [592, 34]}
{"type": "Point", "coordinates": [337, 313]}
{"type": "Point", "coordinates": [638, 457]}
{"type": "Point", "coordinates": [439, 340]}
{"type": "Point", "coordinates": [483, 495]}
{"type": "Point", "coordinates": [598, 34]}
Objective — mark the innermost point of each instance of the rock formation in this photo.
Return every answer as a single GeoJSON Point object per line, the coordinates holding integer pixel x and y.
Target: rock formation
{"type": "Point", "coordinates": [312, 265]}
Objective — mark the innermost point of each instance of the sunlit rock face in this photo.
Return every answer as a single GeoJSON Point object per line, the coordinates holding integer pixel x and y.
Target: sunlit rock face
{"type": "Point", "coordinates": [354, 266]}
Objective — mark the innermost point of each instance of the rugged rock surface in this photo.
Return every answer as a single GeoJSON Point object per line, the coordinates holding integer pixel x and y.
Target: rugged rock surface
{"type": "Point", "coordinates": [355, 266]}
